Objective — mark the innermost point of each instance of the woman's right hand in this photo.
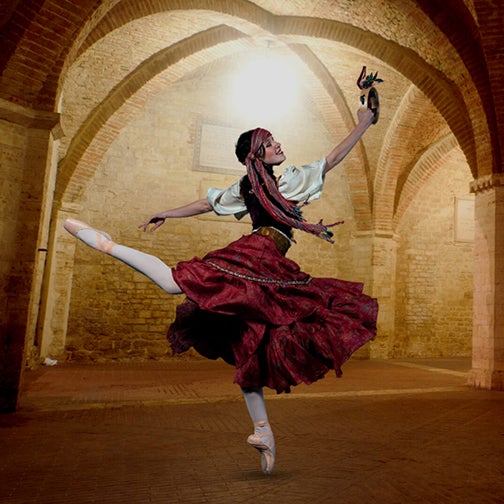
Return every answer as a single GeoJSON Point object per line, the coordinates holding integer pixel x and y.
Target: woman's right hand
{"type": "Point", "coordinates": [195, 208]}
{"type": "Point", "coordinates": [154, 222]}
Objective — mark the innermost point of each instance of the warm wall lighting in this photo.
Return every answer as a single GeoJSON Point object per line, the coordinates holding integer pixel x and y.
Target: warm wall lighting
{"type": "Point", "coordinates": [265, 86]}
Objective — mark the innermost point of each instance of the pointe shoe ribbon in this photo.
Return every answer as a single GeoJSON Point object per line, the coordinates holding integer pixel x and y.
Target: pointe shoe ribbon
{"type": "Point", "coordinates": [265, 444]}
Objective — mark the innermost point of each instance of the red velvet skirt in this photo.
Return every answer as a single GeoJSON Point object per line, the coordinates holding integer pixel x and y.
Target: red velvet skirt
{"type": "Point", "coordinates": [251, 306]}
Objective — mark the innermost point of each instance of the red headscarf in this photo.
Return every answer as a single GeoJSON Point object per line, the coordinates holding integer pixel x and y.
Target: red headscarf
{"type": "Point", "coordinates": [284, 211]}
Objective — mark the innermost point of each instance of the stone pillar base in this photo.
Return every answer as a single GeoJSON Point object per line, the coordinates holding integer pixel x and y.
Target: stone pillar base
{"type": "Point", "coordinates": [486, 379]}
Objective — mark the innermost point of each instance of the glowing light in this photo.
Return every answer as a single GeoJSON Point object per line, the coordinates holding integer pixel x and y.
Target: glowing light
{"type": "Point", "coordinates": [265, 85]}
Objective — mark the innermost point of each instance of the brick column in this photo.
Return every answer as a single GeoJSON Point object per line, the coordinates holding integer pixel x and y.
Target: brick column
{"type": "Point", "coordinates": [361, 256]}
{"type": "Point", "coordinates": [374, 263]}
{"type": "Point", "coordinates": [55, 305]}
{"type": "Point", "coordinates": [26, 199]}
{"type": "Point", "coordinates": [488, 317]}
{"type": "Point", "coordinates": [384, 279]}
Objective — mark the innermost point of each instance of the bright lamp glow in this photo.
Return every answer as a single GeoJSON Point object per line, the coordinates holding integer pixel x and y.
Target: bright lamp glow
{"type": "Point", "coordinates": [266, 85]}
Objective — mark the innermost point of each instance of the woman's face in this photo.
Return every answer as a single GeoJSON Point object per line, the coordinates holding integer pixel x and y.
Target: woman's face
{"type": "Point", "coordinates": [273, 154]}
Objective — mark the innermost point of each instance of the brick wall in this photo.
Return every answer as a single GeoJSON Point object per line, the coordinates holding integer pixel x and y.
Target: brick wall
{"type": "Point", "coordinates": [12, 155]}
{"type": "Point", "coordinates": [115, 312]}
{"type": "Point", "coordinates": [434, 271]}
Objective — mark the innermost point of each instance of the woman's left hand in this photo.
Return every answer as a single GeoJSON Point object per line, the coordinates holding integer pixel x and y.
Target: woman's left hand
{"type": "Point", "coordinates": [365, 115]}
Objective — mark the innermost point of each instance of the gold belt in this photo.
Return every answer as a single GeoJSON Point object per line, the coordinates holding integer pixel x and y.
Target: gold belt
{"type": "Point", "coordinates": [282, 242]}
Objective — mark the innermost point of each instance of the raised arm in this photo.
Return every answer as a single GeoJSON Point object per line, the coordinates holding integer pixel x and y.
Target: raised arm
{"type": "Point", "coordinates": [365, 118]}
{"type": "Point", "coordinates": [195, 208]}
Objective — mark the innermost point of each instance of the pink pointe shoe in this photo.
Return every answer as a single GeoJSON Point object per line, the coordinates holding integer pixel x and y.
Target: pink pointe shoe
{"type": "Point", "coordinates": [264, 442]}
{"type": "Point", "coordinates": [96, 239]}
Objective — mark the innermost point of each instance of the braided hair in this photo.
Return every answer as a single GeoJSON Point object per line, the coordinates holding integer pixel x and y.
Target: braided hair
{"type": "Point", "coordinates": [250, 151]}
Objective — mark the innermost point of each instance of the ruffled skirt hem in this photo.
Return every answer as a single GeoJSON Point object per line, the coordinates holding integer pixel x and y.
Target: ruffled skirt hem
{"type": "Point", "coordinates": [254, 308]}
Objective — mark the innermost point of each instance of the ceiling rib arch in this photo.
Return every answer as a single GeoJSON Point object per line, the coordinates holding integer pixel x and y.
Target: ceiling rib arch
{"type": "Point", "coordinates": [358, 173]}
{"type": "Point", "coordinates": [445, 94]}
{"type": "Point", "coordinates": [428, 163]}
{"type": "Point", "coordinates": [129, 10]}
{"type": "Point", "coordinates": [105, 122]}
{"type": "Point", "coordinates": [392, 159]}
{"type": "Point", "coordinates": [461, 104]}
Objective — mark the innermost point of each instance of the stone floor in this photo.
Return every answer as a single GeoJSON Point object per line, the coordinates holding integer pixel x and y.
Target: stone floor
{"type": "Point", "coordinates": [387, 432]}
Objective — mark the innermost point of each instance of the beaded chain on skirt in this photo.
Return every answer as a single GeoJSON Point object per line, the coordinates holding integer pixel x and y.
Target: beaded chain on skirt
{"type": "Point", "coordinates": [259, 279]}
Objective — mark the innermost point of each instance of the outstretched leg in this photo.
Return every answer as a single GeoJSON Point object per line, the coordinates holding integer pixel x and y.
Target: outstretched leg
{"type": "Point", "coordinates": [149, 265]}
{"type": "Point", "coordinates": [262, 439]}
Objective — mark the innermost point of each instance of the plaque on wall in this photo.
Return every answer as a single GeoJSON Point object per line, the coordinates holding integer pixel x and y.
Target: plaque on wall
{"type": "Point", "coordinates": [464, 219]}
{"type": "Point", "coordinates": [214, 149]}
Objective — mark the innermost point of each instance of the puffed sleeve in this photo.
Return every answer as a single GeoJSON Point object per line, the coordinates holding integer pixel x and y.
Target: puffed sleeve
{"type": "Point", "coordinates": [227, 201]}
{"type": "Point", "coordinates": [298, 184]}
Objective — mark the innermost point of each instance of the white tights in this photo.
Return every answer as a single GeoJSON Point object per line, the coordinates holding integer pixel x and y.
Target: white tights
{"type": "Point", "coordinates": [254, 399]}
{"type": "Point", "coordinates": [157, 271]}
{"type": "Point", "coordinates": [256, 406]}
{"type": "Point", "coordinates": [149, 265]}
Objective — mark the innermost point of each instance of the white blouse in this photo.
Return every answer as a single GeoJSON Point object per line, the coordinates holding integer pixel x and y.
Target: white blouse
{"type": "Point", "coordinates": [295, 184]}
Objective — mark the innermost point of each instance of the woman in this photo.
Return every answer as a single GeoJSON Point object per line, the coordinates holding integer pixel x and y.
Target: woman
{"type": "Point", "coordinates": [247, 303]}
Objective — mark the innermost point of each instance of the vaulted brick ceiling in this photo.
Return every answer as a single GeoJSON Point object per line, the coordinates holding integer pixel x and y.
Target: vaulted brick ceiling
{"type": "Point", "coordinates": [440, 60]}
